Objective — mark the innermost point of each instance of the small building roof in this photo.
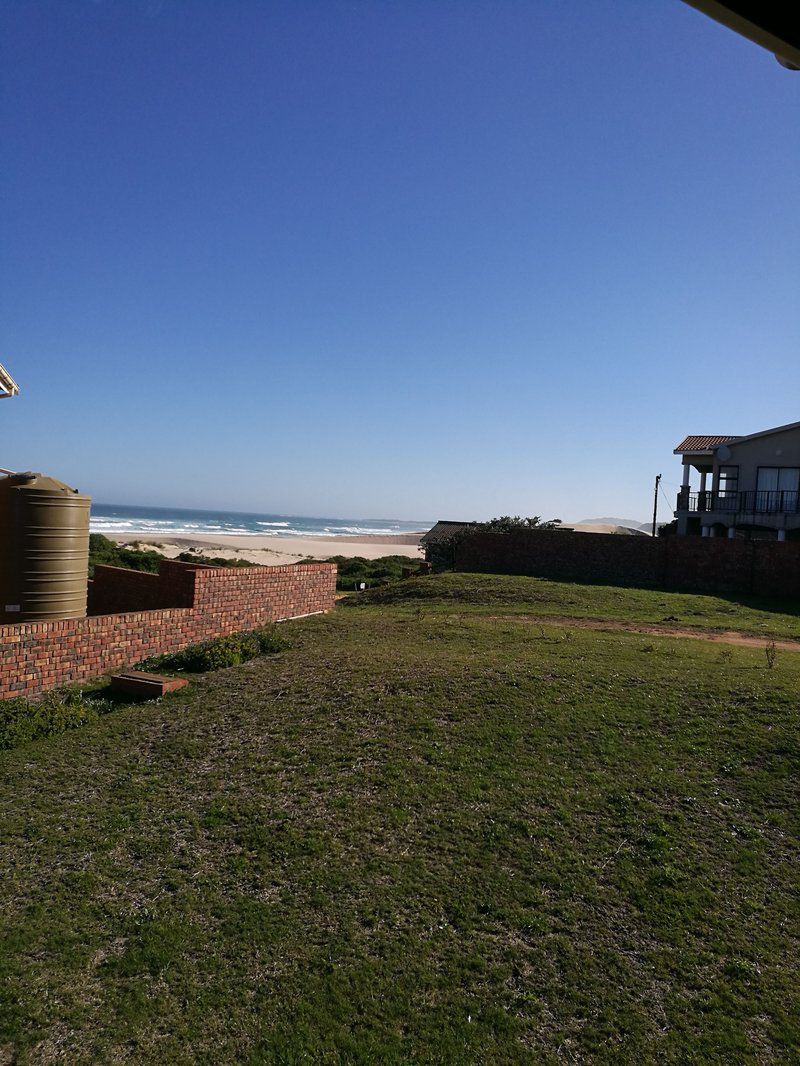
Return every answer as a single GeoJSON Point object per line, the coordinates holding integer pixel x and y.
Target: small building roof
{"type": "Point", "coordinates": [701, 443]}
{"type": "Point", "coordinates": [444, 530]}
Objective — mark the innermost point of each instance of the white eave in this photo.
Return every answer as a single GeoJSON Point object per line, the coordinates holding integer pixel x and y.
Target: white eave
{"type": "Point", "coordinates": [8, 387]}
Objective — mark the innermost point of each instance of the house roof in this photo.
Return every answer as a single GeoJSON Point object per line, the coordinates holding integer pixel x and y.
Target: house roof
{"type": "Point", "coordinates": [701, 443]}
{"type": "Point", "coordinates": [443, 531]}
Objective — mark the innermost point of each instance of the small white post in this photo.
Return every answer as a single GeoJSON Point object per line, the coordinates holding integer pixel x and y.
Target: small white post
{"type": "Point", "coordinates": [705, 531]}
{"type": "Point", "coordinates": [731, 532]}
{"type": "Point", "coordinates": [781, 534]}
{"type": "Point", "coordinates": [711, 531]}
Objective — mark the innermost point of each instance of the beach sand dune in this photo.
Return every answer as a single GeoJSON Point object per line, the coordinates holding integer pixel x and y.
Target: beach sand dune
{"type": "Point", "coordinates": [278, 551]}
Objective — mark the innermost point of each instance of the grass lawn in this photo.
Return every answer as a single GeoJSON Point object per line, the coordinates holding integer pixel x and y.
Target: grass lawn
{"type": "Point", "coordinates": [561, 599]}
{"type": "Point", "coordinates": [421, 835]}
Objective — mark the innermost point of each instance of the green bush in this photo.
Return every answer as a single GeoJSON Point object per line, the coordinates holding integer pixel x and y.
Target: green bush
{"type": "Point", "coordinates": [270, 641]}
{"type": "Point", "coordinates": [351, 572]}
{"type": "Point", "coordinates": [220, 653]}
{"type": "Point", "coordinates": [105, 551]}
{"type": "Point", "coordinates": [207, 560]}
{"type": "Point", "coordinates": [23, 720]}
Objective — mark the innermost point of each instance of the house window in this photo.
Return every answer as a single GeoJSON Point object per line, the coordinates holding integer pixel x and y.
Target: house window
{"type": "Point", "coordinates": [777, 488]}
{"type": "Point", "coordinates": [778, 479]}
{"type": "Point", "coordinates": [728, 486]}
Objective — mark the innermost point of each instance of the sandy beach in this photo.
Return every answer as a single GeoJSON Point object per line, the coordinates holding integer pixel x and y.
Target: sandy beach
{"type": "Point", "coordinates": [277, 551]}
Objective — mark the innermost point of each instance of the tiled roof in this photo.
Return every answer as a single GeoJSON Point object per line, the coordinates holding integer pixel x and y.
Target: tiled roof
{"type": "Point", "coordinates": [701, 443]}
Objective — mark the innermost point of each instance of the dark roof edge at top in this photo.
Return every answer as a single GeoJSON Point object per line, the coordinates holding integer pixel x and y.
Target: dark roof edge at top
{"type": "Point", "coordinates": [769, 432]}
{"type": "Point", "coordinates": [443, 526]}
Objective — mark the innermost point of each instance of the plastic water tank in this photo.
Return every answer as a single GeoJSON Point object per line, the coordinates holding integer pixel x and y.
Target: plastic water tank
{"type": "Point", "coordinates": [44, 549]}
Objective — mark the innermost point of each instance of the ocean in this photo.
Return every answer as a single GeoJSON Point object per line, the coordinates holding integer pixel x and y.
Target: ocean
{"type": "Point", "coordinates": [174, 522]}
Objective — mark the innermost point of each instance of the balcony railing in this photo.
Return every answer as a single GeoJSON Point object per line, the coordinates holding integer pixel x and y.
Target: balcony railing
{"type": "Point", "coordinates": [758, 501]}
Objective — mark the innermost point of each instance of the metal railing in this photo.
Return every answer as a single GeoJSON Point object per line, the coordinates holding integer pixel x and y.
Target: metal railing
{"type": "Point", "coordinates": [757, 501]}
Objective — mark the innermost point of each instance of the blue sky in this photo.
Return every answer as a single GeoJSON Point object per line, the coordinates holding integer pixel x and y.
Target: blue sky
{"type": "Point", "coordinates": [387, 259]}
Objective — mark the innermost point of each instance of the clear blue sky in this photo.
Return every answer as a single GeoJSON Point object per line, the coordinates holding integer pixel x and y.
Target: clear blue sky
{"type": "Point", "coordinates": [391, 259]}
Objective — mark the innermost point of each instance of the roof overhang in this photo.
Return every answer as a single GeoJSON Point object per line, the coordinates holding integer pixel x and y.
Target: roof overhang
{"type": "Point", "coordinates": [772, 25]}
{"type": "Point", "coordinates": [8, 387]}
{"type": "Point", "coordinates": [702, 443]}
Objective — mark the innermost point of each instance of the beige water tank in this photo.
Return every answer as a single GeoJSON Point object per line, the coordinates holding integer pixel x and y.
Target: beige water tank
{"type": "Point", "coordinates": [44, 549]}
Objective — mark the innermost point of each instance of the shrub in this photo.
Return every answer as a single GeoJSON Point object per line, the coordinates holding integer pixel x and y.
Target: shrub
{"type": "Point", "coordinates": [353, 571]}
{"type": "Point", "coordinates": [207, 560]}
{"type": "Point", "coordinates": [270, 641]}
{"type": "Point", "coordinates": [23, 720]}
{"type": "Point", "coordinates": [219, 653]}
{"type": "Point", "coordinates": [771, 652]}
{"type": "Point", "coordinates": [105, 551]}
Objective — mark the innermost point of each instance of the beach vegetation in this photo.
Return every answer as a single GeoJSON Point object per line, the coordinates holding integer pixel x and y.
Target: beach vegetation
{"type": "Point", "coordinates": [208, 560]}
{"type": "Point", "coordinates": [353, 572]}
{"type": "Point", "coordinates": [109, 553]}
{"type": "Point", "coordinates": [510, 524]}
{"type": "Point", "coordinates": [133, 557]}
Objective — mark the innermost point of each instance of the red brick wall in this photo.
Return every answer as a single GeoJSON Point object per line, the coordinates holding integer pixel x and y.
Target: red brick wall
{"type": "Point", "coordinates": [689, 564]}
{"type": "Point", "coordinates": [195, 604]}
{"type": "Point", "coordinates": [115, 589]}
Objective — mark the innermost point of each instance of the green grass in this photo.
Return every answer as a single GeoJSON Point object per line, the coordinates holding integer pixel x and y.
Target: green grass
{"type": "Point", "coordinates": [418, 835]}
{"type": "Point", "coordinates": [560, 599]}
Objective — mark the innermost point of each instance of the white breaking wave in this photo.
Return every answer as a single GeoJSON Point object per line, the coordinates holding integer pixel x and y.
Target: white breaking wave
{"type": "Point", "coordinates": [344, 531]}
{"type": "Point", "coordinates": [216, 524]}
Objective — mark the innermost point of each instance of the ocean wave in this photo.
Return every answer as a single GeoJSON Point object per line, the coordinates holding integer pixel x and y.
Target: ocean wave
{"type": "Point", "coordinates": [145, 530]}
{"type": "Point", "coordinates": [121, 522]}
{"type": "Point", "coordinates": [343, 531]}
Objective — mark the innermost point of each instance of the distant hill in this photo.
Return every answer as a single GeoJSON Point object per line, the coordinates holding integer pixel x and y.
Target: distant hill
{"type": "Point", "coordinates": [630, 523]}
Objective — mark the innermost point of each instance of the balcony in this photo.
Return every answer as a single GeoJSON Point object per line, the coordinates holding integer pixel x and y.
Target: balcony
{"type": "Point", "coordinates": [753, 502]}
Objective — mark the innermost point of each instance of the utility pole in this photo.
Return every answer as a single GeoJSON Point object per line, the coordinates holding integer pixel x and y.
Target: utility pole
{"type": "Point", "coordinates": [655, 503]}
